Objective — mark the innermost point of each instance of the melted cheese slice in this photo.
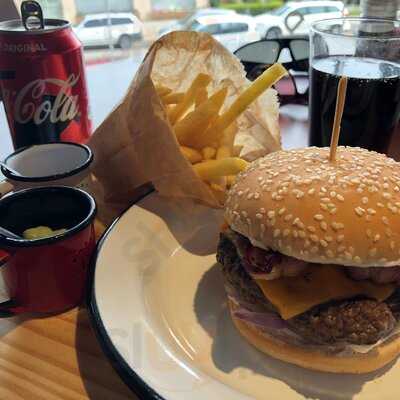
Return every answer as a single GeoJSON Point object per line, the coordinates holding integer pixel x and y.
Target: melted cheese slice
{"type": "Point", "coordinates": [294, 295]}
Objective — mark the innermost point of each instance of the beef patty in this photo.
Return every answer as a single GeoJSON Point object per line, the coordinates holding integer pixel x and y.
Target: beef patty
{"type": "Point", "coordinates": [357, 321]}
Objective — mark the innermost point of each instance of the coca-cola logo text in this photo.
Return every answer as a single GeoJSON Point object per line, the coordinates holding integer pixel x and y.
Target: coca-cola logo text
{"type": "Point", "coordinates": [22, 47]}
{"type": "Point", "coordinates": [64, 108]}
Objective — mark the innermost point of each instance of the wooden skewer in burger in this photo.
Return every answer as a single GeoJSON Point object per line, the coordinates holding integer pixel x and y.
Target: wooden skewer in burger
{"type": "Point", "coordinates": [311, 256]}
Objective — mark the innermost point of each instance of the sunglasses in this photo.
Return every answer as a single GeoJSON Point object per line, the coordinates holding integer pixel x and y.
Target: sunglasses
{"type": "Point", "coordinates": [258, 56]}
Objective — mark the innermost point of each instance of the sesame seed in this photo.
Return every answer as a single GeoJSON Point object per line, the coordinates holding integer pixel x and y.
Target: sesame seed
{"type": "Point", "coordinates": [357, 259]}
{"type": "Point", "coordinates": [337, 226]}
{"type": "Point", "coordinates": [288, 217]}
{"type": "Point", "coordinates": [392, 244]}
{"type": "Point", "coordinates": [311, 191]}
{"type": "Point", "coordinates": [340, 197]}
{"type": "Point", "coordinates": [311, 229]}
{"type": "Point", "coordinates": [271, 214]}
{"type": "Point", "coordinates": [364, 200]}
{"type": "Point", "coordinates": [286, 232]}
{"type": "Point", "coordinates": [333, 211]}
{"type": "Point", "coordinates": [377, 237]}
{"type": "Point", "coordinates": [340, 238]}
{"type": "Point", "coordinates": [380, 205]}
{"type": "Point", "coordinates": [281, 211]}
{"type": "Point", "coordinates": [341, 248]}
{"type": "Point", "coordinates": [302, 234]}
{"type": "Point", "coordinates": [333, 194]}
{"type": "Point", "coordinates": [277, 233]}
{"type": "Point", "coordinates": [371, 211]}
{"type": "Point", "coordinates": [359, 190]}
{"type": "Point", "coordinates": [323, 225]}
{"type": "Point", "coordinates": [348, 256]}
{"type": "Point", "coordinates": [328, 238]}
{"type": "Point", "coordinates": [314, 249]}
{"type": "Point", "coordinates": [318, 217]}
{"type": "Point", "coordinates": [244, 213]}
{"type": "Point", "coordinates": [385, 185]}
{"type": "Point", "coordinates": [314, 238]}
{"type": "Point", "coordinates": [325, 199]}
{"type": "Point", "coordinates": [385, 220]}
{"type": "Point", "coordinates": [386, 195]}
{"type": "Point", "coordinates": [388, 232]}
{"type": "Point", "coordinates": [256, 195]}
{"type": "Point", "coordinates": [369, 233]}
{"type": "Point", "coordinates": [250, 196]}
{"type": "Point", "coordinates": [323, 243]}
{"type": "Point", "coordinates": [295, 233]}
{"type": "Point", "coordinates": [323, 206]}
{"type": "Point", "coordinates": [359, 211]}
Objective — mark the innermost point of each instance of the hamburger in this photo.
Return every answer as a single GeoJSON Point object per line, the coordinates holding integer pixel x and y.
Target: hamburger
{"type": "Point", "coordinates": [310, 256]}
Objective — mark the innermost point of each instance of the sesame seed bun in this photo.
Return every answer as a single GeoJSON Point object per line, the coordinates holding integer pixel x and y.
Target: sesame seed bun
{"type": "Point", "coordinates": [356, 363]}
{"type": "Point", "coordinates": [299, 203]}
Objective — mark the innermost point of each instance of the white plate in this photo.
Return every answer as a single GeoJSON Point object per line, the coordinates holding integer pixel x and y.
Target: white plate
{"type": "Point", "coordinates": [159, 309]}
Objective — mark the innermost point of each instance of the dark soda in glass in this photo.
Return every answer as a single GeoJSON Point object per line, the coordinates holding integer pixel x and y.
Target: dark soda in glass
{"type": "Point", "coordinates": [372, 108]}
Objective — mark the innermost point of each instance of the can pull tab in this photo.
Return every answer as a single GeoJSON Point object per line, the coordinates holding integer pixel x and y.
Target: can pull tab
{"type": "Point", "coordinates": [32, 15]}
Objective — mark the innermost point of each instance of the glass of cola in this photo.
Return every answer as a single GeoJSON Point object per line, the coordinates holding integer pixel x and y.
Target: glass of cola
{"type": "Point", "coordinates": [367, 51]}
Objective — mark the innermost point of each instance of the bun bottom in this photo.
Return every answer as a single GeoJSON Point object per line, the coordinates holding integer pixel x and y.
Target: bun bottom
{"type": "Point", "coordinates": [316, 360]}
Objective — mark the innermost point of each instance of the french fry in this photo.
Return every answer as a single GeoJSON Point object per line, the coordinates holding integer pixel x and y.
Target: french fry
{"type": "Point", "coordinates": [196, 122]}
{"type": "Point", "coordinates": [208, 152]}
{"type": "Point", "coordinates": [173, 98]}
{"type": "Point", "coordinates": [223, 152]}
{"type": "Point", "coordinates": [162, 90]}
{"type": "Point", "coordinates": [262, 83]}
{"type": "Point", "coordinates": [202, 80]}
{"type": "Point", "coordinates": [230, 180]}
{"type": "Point", "coordinates": [213, 169]}
{"type": "Point", "coordinates": [192, 155]}
{"type": "Point", "coordinates": [228, 137]}
{"type": "Point", "coordinates": [201, 97]}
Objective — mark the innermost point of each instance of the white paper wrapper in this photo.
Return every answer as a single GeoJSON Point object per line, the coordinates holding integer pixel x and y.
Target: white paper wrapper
{"type": "Point", "coordinates": [135, 144]}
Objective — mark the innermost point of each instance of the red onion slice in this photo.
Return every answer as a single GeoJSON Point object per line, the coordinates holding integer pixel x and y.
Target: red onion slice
{"type": "Point", "coordinates": [264, 320]}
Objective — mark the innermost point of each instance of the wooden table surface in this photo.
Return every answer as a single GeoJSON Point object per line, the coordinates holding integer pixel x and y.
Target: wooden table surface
{"type": "Point", "coordinates": [59, 357]}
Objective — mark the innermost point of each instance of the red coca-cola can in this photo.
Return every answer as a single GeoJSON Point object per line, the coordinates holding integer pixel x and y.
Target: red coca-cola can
{"type": "Point", "coordinates": [42, 80]}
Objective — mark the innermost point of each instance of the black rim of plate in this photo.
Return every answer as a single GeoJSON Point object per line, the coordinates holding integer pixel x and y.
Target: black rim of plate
{"type": "Point", "coordinates": [129, 376]}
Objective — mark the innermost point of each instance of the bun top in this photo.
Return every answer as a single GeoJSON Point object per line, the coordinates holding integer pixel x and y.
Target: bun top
{"type": "Point", "coordinates": [299, 203]}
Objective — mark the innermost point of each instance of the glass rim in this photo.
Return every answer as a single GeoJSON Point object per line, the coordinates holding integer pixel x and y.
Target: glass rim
{"type": "Point", "coordinates": [316, 29]}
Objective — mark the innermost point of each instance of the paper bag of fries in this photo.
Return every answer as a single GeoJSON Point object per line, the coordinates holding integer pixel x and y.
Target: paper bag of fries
{"type": "Point", "coordinates": [187, 124]}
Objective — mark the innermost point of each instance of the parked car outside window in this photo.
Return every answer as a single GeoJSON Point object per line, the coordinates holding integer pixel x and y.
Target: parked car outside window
{"type": "Point", "coordinates": [283, 20]}
{"type": "Point", "coordinates": [118, 29]}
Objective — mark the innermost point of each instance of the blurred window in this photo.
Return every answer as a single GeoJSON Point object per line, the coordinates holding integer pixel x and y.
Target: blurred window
{"type": "Point", "coordinates": [239, 27]}
{"type": "Point", "coordinates": [315, 10]}
{"type": "Point", "coordinates": [95, 23]}
{"type": "Point", "coordinates": [212, 29]}
{"type": "Point", "coordinates": [121, 21]}
{"type": "Point", "coordinates": [303, 10]}
{"type": "Point", "coordinates": [329, 9]}
{"type": "Point", "coordinates": [194, 26]}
